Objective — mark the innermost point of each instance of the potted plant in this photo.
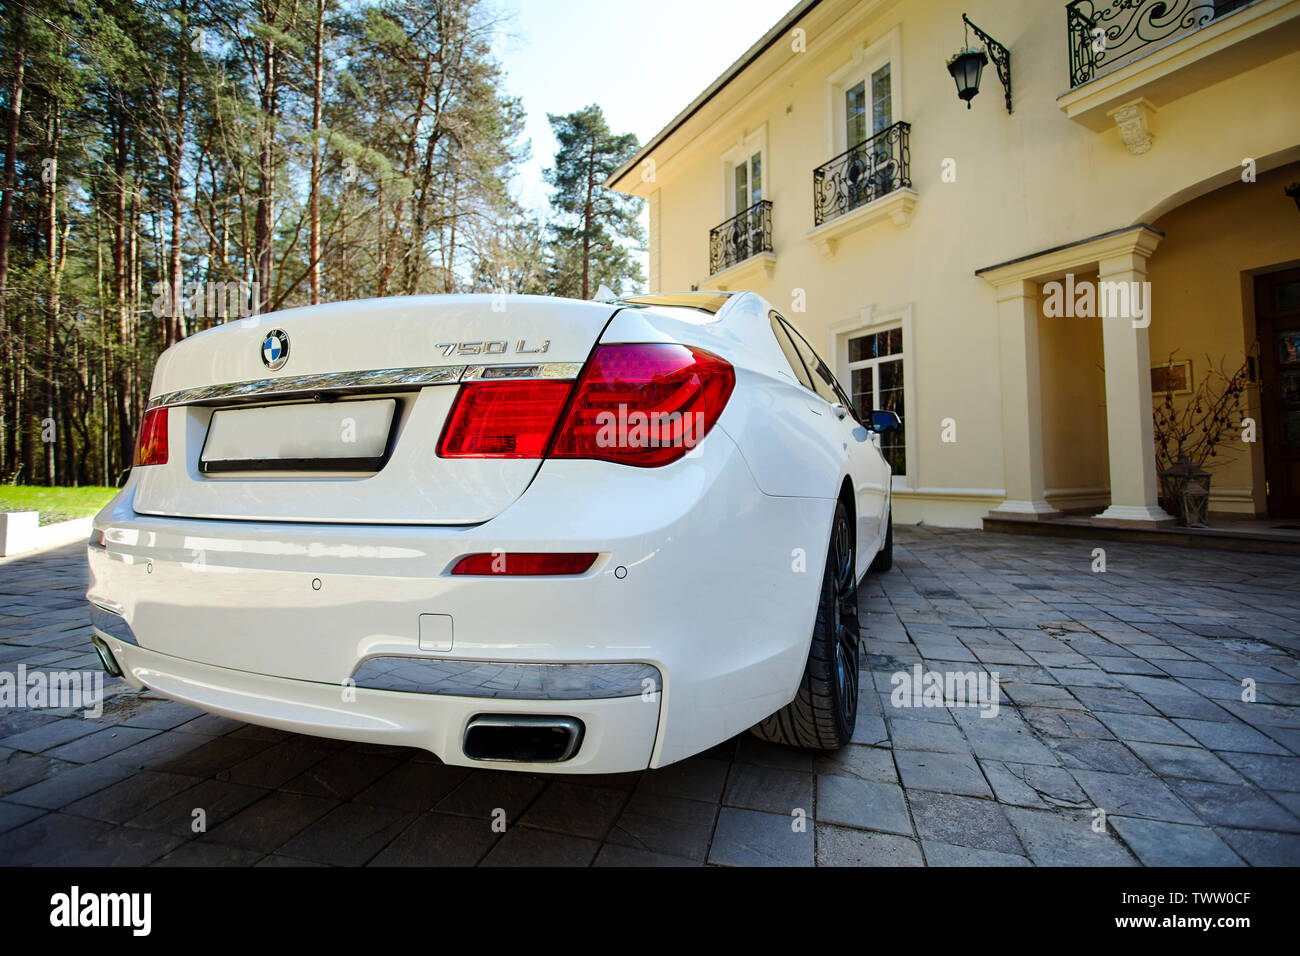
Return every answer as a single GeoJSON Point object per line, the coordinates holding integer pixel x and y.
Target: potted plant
{"type": "Point", "coordinates": [1204, 425]}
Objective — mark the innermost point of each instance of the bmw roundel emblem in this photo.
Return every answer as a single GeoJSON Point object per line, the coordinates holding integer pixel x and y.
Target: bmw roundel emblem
{"type": "Point", "coordinates": [275, 349]}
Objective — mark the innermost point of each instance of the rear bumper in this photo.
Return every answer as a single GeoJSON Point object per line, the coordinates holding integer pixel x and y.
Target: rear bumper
{"type": "Point", "coordinates": [700, 576]}
{"type": "Point", "coordinates": [619, 732]}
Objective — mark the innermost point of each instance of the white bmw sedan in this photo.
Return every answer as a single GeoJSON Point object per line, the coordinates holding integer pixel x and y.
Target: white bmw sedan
{"type": "Point", "coordinates": [518, 532]}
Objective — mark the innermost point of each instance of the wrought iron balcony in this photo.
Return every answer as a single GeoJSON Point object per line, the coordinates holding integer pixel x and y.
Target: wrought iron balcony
{"type": "Point", "coordinates": [1104, 33]}
{"type": "Point", "coordinates": [862, 173]}
{"type": "Point", "coordinates": [744, 235]}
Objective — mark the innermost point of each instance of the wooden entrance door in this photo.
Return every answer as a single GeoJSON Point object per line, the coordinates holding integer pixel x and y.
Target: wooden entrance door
{"type": "Point", "coordinates": [1277, 315]}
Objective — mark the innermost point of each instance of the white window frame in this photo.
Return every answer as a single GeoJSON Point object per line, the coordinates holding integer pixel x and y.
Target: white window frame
{"type": "Point", "coordinates": [868, 322]}
{"type": "Point", "coordinates": [864, 61]}
{"type": "Point", "coordinates": [747, 144]}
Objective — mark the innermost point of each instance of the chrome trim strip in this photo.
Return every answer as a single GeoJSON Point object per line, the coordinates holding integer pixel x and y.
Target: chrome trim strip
{"type": "Point", "coordinates": [108, 621]}
{"type": "Point", "coordinates": [504, 680]}
{"type": "Point", "coordinates": [554, 370]}
{"type": "Point", "coordinates": [363, 381]}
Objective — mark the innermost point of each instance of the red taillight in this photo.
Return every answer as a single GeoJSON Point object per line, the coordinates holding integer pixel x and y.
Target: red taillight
{"type": "Point", "coordinates": [151, 447]}
{"type": "Point", "coordinates": [502, 419]}
{"type": "Point", "coordinates": [644, 405]}
{"type": "Point", "coordinates": [524, 562]}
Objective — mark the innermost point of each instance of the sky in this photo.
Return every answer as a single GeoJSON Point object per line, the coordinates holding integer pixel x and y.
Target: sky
{"type": "Point", "coordinates": [633, 57]}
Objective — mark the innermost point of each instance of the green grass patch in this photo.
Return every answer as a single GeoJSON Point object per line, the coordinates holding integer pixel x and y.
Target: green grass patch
{"type": "Point", "coordinates": [55, 504]}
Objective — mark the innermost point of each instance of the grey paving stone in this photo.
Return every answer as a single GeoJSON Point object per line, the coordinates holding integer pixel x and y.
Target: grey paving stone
{"type": "Point", "coordinates": [927, 735]}
{"type": "Point", "coordinates": [769, 790]}
{"type": "Point", "coordinates": [947, 773]}
{"type": "Point", "coordinates": [1011, 746]}
{"type": "Point", "coordinates": [414, 786]}
{"type": "Point", "coordinates": [839, 846]}
{"type": "Point", "coordinates": [751, 838]}
{"type": "Point", "coordinates": [1108, 756]}
{"type": "Point", "coordinates": [92, 747]}
{"type": "Point", "coordinates": [1127, 795]}
{"type": "Point", "coordinates": [521, 846]}
{"type": "Point", "coordinates": [575, 809]}
{"type": "Point", "coordinates": [1233, 735]}
{"type": "Point", "coordinates": [1194, 763]}
{"type": "Point", "coordinates": [15, 815]}
{"type": "Point", "coordinates": [194, 853]}
{"type": "Point", "coordinates": [1032, 785]}
{"type": "Point", "coordinates": [274, 766]}
{"type": "Point", "coordinates": [946, 854]}
{"type": "Point", "coordinates": [864, 804]}
{"type": "Point", "coordinates": [341, 775]}
{"type": "Point", "coordinates": [69, 784]}
{"type": "Point", "coordinates": [483, 794]}
{"type": "Point", "coordinates": [697, 778]}
{"type": "Point", "coordinates": [268, 823]}
{"type": "Point", "coordinates": [1246, 807]}
{"type": "Point", "coordinates": [1270, 771]}
{"type": "Point", "coordinates": [1158, 843]}
{"type": "Point", "coordinates": [964, 821]}
{"type": "Point", "coordinates": [865, 763]}
{"type": "Point", "coordinates": [1065, 838]}
{"type": "Point", "coordinates": [213, 756]}
{"type": "Point", "coordinates": [349, 835]}
{"type": "Point", "coordinates": [160, 714]}
{"type": "Point", "coordinates": [1064, 722]}
{"type": "Point", "coordinates": [665, 825]}
{"type": "Point", "coordinates": [870, 729]}
{"type": "Point", "coordinates": [219, 801]}
{"type": "Point", "coordinates": [1261, 848]}
{"type": "Point", "coordinates": [129, 797]}
{"type": "Point", "coordinates": [51, 734]}
{"type": "Point", "coordinates": [1140, 727]}
{"type": "Point", "coordinates": [52, 839]}
{"type": "Point", "coordinates": [439, 839]}
{"type": "Point", "coordinates": [613, 855]}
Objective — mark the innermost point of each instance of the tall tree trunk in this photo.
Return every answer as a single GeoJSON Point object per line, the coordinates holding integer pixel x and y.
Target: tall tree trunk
{"type": "Point", "coordinates": [52, 302]}
{"type": "Point", "coordinates": [586, 227]}
{"type": "Point", "coordinates": [174, 321]}
{"type": "Point", "coordinates": [318, 87]}
{"type": "Point", "coordinates": [121, 294]}
{"type": "Point", "coordinates": [9, 422]}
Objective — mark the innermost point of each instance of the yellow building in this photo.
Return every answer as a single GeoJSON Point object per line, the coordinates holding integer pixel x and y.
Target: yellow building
{"type": "Point", "coordinates": [984, 271]}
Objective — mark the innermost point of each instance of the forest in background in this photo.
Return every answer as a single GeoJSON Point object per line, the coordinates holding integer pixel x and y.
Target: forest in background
{"type": "Point", "coordinates": [169, 166]}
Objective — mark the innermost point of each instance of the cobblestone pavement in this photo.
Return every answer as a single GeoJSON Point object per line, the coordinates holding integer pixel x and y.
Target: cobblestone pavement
{"type": "Point", "coordinates": [1121, 693]}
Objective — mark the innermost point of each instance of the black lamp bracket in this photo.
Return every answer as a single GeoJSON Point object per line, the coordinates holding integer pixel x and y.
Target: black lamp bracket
{"type": "Point", "coordinates": [1000, 56]}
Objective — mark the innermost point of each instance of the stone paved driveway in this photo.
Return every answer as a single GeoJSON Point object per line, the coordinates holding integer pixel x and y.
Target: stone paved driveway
{"type": "Point", "coordinates": [1121, 694]}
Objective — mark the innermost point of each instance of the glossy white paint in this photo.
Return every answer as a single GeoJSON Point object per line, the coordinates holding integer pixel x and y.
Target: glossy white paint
{"type": "Point", "coordinates": [698, 570]}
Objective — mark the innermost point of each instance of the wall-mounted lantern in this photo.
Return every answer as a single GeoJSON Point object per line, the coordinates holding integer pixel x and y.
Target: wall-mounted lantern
{"type": "Point", "coordinates": [967, 64]}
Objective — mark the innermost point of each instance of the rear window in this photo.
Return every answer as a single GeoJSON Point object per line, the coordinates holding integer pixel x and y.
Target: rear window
{"type": "Point", "coordinates": [711, 302]}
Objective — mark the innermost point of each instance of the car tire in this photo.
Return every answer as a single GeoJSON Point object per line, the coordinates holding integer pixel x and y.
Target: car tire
{"type": "Point", "coordinates": [825, 708]}
{"type": "Point", "coordinates": [884, 559]}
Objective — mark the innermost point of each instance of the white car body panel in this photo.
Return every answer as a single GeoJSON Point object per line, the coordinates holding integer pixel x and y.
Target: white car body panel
{"type": "Point", "coordinates": [261, 597]}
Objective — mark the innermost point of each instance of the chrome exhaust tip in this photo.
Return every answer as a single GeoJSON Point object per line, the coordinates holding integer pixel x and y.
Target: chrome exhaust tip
{"type": "Point", "coordinates": [111, 667]}
{"type": "Point", "coordinates": [522, 738]}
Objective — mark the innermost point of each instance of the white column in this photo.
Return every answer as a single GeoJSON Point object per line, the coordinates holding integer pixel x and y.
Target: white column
{"type": "Point", "coordinates": [1124, 300]}
{"type": "Point", "coordinates": [1022, 402]}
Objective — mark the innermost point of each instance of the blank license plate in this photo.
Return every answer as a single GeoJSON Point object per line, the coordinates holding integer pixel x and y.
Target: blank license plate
{"type": "Point", "coordinates": [328, 436]}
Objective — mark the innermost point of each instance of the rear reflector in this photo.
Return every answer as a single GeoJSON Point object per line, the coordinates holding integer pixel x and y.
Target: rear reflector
{"type": "Point", "coordinates": [524, 562]}
{"type": "Point", "coordinates": [151, 447]}
{"type": "Point", "coordinates": [644, 405]}
{"type": "Point", "coordinates": [502, 419]}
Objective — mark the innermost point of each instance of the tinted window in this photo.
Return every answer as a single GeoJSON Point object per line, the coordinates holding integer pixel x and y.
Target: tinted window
{"type": "Point", "coordinates": [824, 383]}
{"type": "Point", "coordinates": [791, 353]}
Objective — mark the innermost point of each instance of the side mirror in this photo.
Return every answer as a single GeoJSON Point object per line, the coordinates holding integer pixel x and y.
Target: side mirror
{"type": "Point", "coordinates": [882, 421]}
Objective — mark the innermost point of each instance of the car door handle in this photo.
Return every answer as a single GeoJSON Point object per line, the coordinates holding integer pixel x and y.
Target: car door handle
{"type": "Point", "coordinates": [840, 410]}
